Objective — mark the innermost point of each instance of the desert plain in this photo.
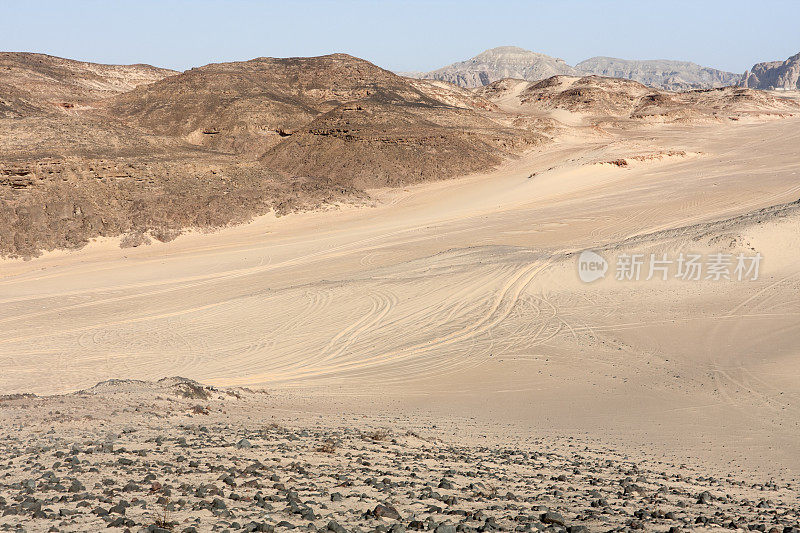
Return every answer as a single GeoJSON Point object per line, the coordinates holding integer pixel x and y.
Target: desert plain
{"type": "Point", "coordinates": [435, 333]}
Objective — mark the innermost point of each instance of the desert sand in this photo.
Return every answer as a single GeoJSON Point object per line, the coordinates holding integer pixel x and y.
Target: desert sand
{"type": "Point", "coordinates": [461, 299]}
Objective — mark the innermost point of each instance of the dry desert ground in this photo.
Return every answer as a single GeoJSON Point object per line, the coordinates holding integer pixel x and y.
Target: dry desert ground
{"type": "Point", "coordinates": [429, 358]}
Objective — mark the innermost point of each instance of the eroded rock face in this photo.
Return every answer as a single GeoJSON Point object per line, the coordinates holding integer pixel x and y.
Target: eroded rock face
{"type": "Point", "coordinates": [774, 75]}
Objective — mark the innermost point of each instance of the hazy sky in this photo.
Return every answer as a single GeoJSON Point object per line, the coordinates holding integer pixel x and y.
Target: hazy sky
{"type": "Point", "coordinates": [730, 35]}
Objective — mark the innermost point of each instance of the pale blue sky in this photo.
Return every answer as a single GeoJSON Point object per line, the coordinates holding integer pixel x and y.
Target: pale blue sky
{"type": "Point", "coordinates": [413, 35]}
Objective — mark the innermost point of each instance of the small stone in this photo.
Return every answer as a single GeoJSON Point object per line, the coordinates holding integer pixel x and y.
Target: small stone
{"type": "Point", "coordinates": [334, 526]}
{"type": "Point", "coordinates": [386, 511]}
{"type": "Point", "coordinates": [551, 517]}
{"type": "Point", "coordinates": [705, 498]}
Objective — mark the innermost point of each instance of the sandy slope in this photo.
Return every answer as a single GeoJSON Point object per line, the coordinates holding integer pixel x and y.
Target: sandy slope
{"type": "Point", "coordinates": [461, 297]}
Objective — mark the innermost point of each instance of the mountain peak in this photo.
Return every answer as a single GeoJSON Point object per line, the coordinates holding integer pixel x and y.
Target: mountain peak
{"type": "Point", "coordinates": [504, 50]}
{"type": "Point", "coordinates": [513, 53]}
{"type": "Point", "coordinates": [498, 63]}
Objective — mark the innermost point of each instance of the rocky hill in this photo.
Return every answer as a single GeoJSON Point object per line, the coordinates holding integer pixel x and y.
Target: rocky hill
{"type": "Point", "coordinates": [38, 83]}
{"type": "Point", "coordinates": [596, 95]}
{"type": "Point", "coordinates": [774, 75]}
{"type": "Point", "coordinates": [221, 143]}
{"type": "Point", "coordinates": [498, 63]}
{"type": "Point", "coordinates": [248, 106]}
{"type": "Point", "coordinates": [513, 62]}
{"type": "Point", "coordinates": [333, 117]}
{"type": "Point", "coordinates": [663, 74]}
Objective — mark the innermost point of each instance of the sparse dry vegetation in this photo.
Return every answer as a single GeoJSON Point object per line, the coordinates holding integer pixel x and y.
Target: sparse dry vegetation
{"type": "Point", "coordinates": [200, 409]}
{"type": "Point", "coordinates": [327, 446]}
{"type": "Point", "coordinates": [377, 435]}
{"type": "Point", "coordinates": [192, 390]}
{"type": "Point", "coordinates": [164, 518]}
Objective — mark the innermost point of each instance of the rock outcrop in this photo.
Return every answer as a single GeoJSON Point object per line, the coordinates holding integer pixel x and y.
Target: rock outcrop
{"type": "Point", "coordinates": [784, 75]}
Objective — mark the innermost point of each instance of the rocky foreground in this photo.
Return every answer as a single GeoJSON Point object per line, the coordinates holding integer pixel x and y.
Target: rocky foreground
{"type": "Point", "coordinates": [178, 456]}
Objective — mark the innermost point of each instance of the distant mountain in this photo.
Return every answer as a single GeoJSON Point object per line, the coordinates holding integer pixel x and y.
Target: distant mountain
{"type": "Point", "coordinates": [499, 63]}
{"type": "Point", "coordinates": [663, 74]}
{"type": "Point", "coordinates": [515, 62]}
{"type": "Point", "coordinates": [774, 75]}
